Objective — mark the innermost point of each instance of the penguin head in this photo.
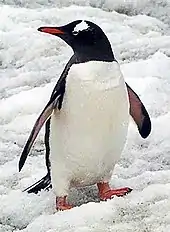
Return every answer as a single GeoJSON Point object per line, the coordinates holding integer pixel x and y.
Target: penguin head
{"type": "Point", "coordinates": [87, 40]}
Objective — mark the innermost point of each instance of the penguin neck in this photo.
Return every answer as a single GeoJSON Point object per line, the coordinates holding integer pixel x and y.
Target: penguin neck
{"type": "Point", "coordinates": [99, 54]}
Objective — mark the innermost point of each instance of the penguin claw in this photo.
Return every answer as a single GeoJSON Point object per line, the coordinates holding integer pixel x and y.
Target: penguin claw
{"type": "Point", "coordinates": [115, 192]}
{"type": "Point", "coordinates": [64, 207]}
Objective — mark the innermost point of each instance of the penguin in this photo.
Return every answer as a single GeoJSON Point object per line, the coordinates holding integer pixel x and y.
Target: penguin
{"type": "Point", "coordinates": [86, 117]}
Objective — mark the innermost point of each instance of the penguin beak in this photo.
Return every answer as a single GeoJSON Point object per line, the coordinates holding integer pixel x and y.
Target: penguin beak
{"type": "Point", "coordinates": [51, 30]}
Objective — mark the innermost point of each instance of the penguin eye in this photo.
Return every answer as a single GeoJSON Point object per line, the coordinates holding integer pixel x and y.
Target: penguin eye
{"type": "Point", "coordinates": [75, 33]}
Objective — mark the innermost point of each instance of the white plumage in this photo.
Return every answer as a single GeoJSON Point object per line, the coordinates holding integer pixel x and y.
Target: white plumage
{"type": "Point", "coordinates": [89, 132]}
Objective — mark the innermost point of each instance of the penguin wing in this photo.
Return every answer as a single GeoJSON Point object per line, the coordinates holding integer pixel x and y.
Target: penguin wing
{"type": "Point", "coordinates": [139, 113]}
{"type": "Point", "coordinates": [46, 113]}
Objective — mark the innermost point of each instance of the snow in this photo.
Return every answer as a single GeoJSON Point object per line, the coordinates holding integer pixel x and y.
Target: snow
{"type": "Point", "coordinates": [30, 64]}
{"type": "Point", "coordinates": [155, 8]}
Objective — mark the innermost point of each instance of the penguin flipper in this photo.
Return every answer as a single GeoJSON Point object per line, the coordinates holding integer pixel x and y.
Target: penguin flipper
{"type": "Point", "coordinates": [139, 113]}
{"type": "Point", "coordinates": [46, 113]}
{"type": "Point", "coordinates": [56, 98]}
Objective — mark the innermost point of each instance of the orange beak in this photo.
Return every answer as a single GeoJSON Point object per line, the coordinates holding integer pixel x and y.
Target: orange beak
{"type": "Point", "coordinates": [51, 30]}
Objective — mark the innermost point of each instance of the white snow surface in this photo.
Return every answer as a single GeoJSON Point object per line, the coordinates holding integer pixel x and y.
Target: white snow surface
{"type": "Point", "coordinates": [30, 64]}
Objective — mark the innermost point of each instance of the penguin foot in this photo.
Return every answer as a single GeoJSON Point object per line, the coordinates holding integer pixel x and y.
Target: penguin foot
{"type": "Point", "coordinates": [105, 192]}
{"type": "Point", "coordinates": [61, 204]}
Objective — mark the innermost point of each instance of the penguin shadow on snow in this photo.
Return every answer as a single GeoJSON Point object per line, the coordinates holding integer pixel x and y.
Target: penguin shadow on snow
{"type": "Point", "coordinates": [100, 91]}
{"type": "Point", "coordinates": [83, 195]}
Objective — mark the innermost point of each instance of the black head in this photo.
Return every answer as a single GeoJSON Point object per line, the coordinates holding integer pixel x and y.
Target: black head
{"type": "Point", "coordinates": [87, 40]}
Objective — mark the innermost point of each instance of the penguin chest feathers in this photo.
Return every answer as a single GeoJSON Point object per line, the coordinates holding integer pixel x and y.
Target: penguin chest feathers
{"type": "Point", "coordinates": [89, 132]}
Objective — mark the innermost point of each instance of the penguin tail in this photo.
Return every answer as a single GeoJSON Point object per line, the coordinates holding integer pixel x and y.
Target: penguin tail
{"type": "Point", "coordinates": [43, 184]}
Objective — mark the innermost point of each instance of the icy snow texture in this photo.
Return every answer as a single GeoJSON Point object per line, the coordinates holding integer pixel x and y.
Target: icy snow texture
{"type": "Point", "coordinates": [155, 8]}
{"type": "Point", "coordinates": [30, 64]}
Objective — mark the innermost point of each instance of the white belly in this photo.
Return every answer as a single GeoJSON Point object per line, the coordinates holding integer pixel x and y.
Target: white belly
{"type": "Point", "coordinates": [89, 133]}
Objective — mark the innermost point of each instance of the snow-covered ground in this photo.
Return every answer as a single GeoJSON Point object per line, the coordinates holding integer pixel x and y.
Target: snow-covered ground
{"type": "Point", "coordinates": [30, 64]}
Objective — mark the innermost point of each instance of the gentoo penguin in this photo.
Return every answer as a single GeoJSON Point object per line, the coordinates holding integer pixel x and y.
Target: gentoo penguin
{"type": "Point", "coordinates": [86, 117]}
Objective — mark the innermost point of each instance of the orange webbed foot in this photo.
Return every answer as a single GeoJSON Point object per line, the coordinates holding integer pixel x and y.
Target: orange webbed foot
{"type": "Point", "coordinates": [105, 192]}
{"type": "Point", "coordinates": [61, 204]}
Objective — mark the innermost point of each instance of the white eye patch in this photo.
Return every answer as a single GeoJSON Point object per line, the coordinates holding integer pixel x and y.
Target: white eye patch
{"type": "Point", "coordinates": [80, 27]}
